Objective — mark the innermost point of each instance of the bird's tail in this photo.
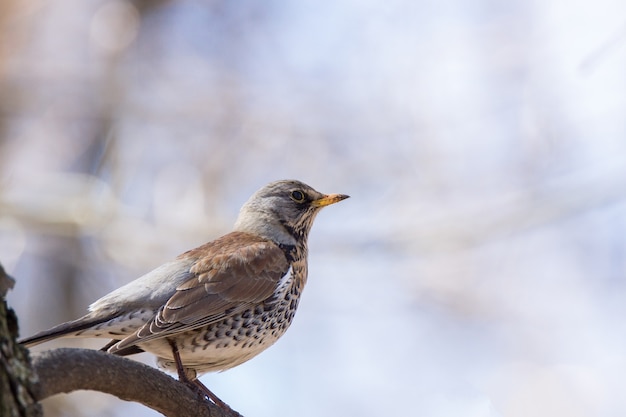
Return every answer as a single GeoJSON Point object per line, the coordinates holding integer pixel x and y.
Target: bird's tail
{"type": "Point", "coordinates": [70, 328]}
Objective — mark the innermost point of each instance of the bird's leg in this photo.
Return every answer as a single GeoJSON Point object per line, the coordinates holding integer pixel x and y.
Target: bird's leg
{"type": "Point", "coordinates": [195, 384]}
{"type": "Point", "coordinates": [182, 375]}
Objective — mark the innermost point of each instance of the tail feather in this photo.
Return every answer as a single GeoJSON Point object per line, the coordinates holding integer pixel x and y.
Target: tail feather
{"type": "Point", "coordinates": [65, 329]}
{"type": "Point", "coordinates": [130, 350]}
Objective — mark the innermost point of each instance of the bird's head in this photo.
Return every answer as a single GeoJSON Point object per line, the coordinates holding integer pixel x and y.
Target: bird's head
{"type": "Point", "coordinates": [283, 211]}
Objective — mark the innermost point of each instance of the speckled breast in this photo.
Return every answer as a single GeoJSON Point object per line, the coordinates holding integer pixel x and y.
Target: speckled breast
{"type": "Point", "coordinates": [236, 339]}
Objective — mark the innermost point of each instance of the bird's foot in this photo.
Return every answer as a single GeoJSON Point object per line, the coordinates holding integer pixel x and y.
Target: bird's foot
{"type": "Point", "coordinates": [202, 389]}
{"type": "Point", "coordinates": [189, 377]}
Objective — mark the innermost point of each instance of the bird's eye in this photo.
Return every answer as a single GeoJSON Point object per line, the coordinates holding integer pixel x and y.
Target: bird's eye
{"type": "Point", "coordinates": [297, 196]}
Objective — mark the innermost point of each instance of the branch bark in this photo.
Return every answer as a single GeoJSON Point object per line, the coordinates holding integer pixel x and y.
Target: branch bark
{"type": "Point", "coordinates": [18, 383]}
{"type": "Point", "coordinates": [66, 370]}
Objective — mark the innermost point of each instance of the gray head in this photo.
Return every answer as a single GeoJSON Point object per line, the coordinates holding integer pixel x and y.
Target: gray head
{"type": "Point", "coordinates": [283, 211]}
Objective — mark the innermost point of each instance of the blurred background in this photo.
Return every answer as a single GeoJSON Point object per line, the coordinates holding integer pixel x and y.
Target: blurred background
{"type": "Point", "coordinates": [479, 268]}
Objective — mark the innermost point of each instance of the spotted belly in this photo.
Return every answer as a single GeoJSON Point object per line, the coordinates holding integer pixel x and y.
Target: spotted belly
{"type": "Point", "coordinates": [228, 343]}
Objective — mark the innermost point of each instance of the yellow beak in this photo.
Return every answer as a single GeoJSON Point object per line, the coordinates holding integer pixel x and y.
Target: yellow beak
{"type": "Point", "coordinates": [329, 199]}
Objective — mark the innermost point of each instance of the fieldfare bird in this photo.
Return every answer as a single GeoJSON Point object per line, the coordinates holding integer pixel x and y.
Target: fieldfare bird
{"type": "Point", "coordinates": [218, 305]}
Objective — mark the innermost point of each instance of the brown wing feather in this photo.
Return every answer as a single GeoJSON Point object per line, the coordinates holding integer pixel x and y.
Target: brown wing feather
{"type": "Point", "coordinates": [230, 274]}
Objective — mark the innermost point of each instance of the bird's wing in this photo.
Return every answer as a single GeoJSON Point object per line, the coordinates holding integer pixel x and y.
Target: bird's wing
{"type": "Point", "coordinates": [229, 276]}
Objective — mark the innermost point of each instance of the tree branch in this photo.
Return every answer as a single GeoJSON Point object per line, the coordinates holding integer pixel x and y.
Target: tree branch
{"type": "Point", "coordinates": [66, 370]}
{"type": "Point", "coordinates": [18, 383]}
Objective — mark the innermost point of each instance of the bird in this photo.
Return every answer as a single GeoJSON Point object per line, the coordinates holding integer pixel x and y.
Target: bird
{"type": "Point", "coordinates": [216, 306]}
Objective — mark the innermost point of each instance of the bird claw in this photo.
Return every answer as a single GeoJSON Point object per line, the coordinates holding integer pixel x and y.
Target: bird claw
{"type": "Point", "coordinates": [188, 377]}
{"type": "Point", "coordinates": [207, 394]}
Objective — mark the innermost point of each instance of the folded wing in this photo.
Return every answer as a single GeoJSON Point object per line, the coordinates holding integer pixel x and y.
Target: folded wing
{"type": "Point", "coordinates": [230, 275]}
